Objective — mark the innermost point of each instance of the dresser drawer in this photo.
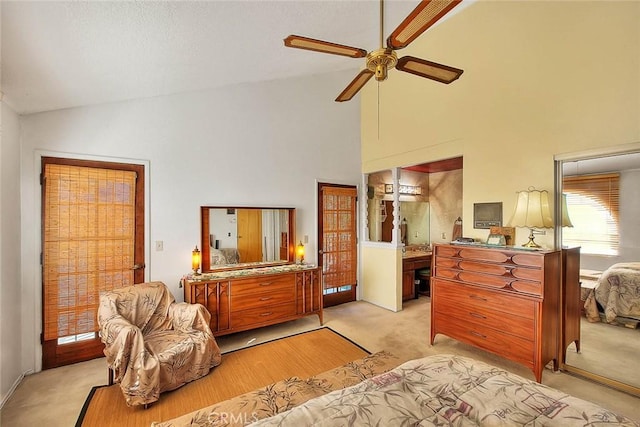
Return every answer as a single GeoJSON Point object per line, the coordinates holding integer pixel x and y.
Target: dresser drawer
{"type": "Point", "coordinates": [260, 285]}
{"type": "Point", "coordinates": [494, 275]}
{"type": "Point", "coordinates": [416, 263]}
{"type": "Point", "coordinates": [259, 315]}
{"type": "Point", "coordinates": [448, 251]}
{"type": "Point", "coordinates": [484, 255]}
{"type": "Point", "coordinates": [261, 299]}
{"type": "Point", "coordinates": [509, 346]}
{"type": "Point", "coordinates": [484, 317]}
{"type": "Point", "coordinates": [476, 296]}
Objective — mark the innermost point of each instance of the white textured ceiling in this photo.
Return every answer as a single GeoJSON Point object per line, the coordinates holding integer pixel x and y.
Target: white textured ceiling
{"type": "Point", "coordinates": [71, 53]}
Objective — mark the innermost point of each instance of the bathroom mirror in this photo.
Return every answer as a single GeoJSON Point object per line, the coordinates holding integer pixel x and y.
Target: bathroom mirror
{"type": "Point", "coordinates": [246, 237]}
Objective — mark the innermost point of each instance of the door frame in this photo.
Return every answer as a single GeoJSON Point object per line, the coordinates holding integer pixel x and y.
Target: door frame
{"type": "Point", "coordinates": [318, 183]}
{"type": "Point", "coordinates": [36, 285]}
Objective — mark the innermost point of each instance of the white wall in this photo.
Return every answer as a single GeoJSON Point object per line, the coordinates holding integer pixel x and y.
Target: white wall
{"type": "Point", "coordinates": [224, 228]}
{"type": "Point", "coordinates": [255, 144]}
{"type": "Point", "coordinates": [10, 290]}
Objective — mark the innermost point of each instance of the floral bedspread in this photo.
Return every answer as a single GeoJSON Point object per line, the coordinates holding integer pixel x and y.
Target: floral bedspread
{"type": "Point", "coordinates": [618, 291]}
{"type": "Point", "coordinates": [284, 395]}
{"type": "Point", "coordinates": [447, 390]}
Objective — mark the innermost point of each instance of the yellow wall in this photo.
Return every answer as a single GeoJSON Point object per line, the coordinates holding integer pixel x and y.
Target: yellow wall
{"type": "Point", "coordinates": [380, 288]}
{"type": "Point", "coordinates": [540, 78]}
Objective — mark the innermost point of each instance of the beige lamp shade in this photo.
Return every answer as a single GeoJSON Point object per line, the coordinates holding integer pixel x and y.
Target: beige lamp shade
{"type": "Point", "coordinates": [532, 210]}
{"type": "Point", "coordinates": [566, 221]}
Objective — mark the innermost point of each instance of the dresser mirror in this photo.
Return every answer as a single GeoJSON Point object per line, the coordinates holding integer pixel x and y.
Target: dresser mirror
{"type": "Point", "coordinates": [604, 226]}
{"type": "Point", "coordinates": [235, 238]}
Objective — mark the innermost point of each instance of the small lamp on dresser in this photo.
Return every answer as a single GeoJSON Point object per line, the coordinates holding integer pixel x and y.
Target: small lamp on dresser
{"type": "Point", "coordinates": [195, 261]}
{"type": "Point", "coordinates": [300, 253]}
{"type": "Point", "coordinates": [532, 211]}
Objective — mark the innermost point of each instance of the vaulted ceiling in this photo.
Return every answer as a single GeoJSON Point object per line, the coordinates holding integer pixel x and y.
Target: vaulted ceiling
{"type": "Point", "coordinates": [70, 53]}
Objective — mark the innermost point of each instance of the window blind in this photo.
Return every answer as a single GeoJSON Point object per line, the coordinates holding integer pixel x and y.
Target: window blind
{"type": "Point", "coordinates": [593, 204]}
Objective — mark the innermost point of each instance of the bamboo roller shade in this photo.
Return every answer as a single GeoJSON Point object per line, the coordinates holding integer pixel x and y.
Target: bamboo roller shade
{"type": "Point", "coordinates": [89, 226]}
{"type": "Point", "coordinates": [339, 234]}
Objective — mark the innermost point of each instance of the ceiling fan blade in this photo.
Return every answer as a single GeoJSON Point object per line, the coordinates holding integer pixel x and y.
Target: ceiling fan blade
{"type": "Point", "coordinates": [427, 13]}
{"type": "Point", "coordinates": [430, 70]}
{"type": "Point", "coordinates": [356, 84]}
{"type": "Point", "coordinates": [306, 43]}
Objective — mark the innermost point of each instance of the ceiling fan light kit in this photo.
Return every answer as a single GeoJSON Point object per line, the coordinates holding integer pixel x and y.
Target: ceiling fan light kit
{"type": "Point", "coordinates": [380, 61]}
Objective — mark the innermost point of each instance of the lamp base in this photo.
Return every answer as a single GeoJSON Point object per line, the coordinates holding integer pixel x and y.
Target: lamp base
{"type": "Point", "coordinates": [531, 243]}
{"type": "Point", "coordinates": [196, 273]}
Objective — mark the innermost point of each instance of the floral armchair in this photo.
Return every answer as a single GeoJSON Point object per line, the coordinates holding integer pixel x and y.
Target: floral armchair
{"type": "Point", "coordinates": [152, 343]}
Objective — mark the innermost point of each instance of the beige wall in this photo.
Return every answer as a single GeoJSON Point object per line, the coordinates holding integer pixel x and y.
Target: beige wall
{"type": "Point", "coordinates": [445, 195]}
{"type": "Point", "coordinates": [541, 78]}
{"type": "Point", "coordinates": [380, 288]}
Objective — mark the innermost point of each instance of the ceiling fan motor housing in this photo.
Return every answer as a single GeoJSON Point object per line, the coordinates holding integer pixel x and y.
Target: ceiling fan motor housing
{"type": "Point", "coordinates": [380, 61]}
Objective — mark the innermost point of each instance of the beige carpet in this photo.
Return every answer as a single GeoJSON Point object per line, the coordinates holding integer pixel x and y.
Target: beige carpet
{"type": "Point", "coordinates": [55, 397]}
{"type": "Point", "coordinates": [607, 350]}
{"type": "Point", "coordinates": [302, 355]}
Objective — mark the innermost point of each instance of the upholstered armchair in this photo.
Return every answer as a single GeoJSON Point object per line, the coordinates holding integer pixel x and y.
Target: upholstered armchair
{"type": "Point", "coordinates": [152, 343]}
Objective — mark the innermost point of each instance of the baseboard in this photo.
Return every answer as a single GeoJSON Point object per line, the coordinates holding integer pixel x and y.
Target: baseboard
{"type": "Point", "coordinates": [13, 388]}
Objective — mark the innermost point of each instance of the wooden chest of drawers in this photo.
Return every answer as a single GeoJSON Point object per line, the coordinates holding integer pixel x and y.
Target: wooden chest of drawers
{"type": "Point", "coordinates": [501, 300]}
{"type": "Point", "coordinates": [251, 301]}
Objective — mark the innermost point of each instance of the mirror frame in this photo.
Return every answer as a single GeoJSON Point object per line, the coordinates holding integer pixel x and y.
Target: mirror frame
{"type": "Point", "coordinates": [205, 266]}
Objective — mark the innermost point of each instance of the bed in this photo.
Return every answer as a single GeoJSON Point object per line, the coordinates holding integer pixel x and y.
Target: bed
{"type": "Point", "coordinates": [435, 390]}
{"type": "Point", "coordinates": [617, 292]}
{"type": "Point", "coordinates": [224, 256]}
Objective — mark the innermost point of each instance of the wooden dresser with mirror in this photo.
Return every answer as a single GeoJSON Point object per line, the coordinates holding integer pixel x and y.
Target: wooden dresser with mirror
{"type": "Point", "coordinates": [249, 276]}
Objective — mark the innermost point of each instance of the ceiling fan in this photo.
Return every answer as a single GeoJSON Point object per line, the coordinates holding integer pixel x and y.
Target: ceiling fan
{"type": "Point", "coordinates": [379, 61]}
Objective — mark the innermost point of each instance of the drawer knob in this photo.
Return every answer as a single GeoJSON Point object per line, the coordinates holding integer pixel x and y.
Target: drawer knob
{"type": "Point", "coordinates": [478, 316]}
{"type": "Point", "coordinates": [265, 298]}
{"type": "Point", "coordinates": [476, 297]}
{"type": "Point", "coordinates": [266, 283]}
{"type": "Point", "coordinates": [266, 314]}
{"type": "Point", "coordinates": [478, 334]}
